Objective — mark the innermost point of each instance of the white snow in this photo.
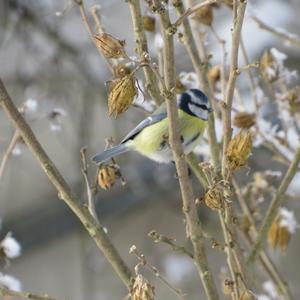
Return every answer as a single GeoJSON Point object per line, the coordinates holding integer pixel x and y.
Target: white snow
{"type": "Point", "coordinates": [177, 267]}
{"type": "Point", "coordinates": [10, 246]}
{"type": "Point", "coordinates": [30, 105]}
{"type": "Point", "coordinates": [54, 126]}
{"type": "Point", "coordinates": [270, 289]}
{"type": "Point", "coordinates": [280, 57]}
{"type": "Point", "coordinates": [10, 282]}
{"type": "Point", "coordinates": [263, 297]}
{"type": "Point", "coordinates": [288, 220]}
{"type": "Point", "coordinates": [158, 41]}
{"type": "Point", "coordinates": [17, 150]}
{"type": "Point", "coordinates": [189, 80]}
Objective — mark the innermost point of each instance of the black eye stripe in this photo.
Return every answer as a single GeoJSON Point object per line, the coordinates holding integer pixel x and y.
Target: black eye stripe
{"type": "Point", "coordinates": [199, 105]}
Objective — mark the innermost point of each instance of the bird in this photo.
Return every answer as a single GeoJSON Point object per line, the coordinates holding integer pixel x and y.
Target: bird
{"type": "Point", "coordinates": [150, 136]}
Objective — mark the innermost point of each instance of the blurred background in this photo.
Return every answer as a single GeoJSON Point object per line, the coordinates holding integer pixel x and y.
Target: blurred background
{"type": "Point", "coordinates": [48, 60]}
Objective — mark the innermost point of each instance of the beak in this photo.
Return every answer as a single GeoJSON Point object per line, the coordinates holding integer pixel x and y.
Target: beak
{"type": "Point", "coordinates": [210, 110]}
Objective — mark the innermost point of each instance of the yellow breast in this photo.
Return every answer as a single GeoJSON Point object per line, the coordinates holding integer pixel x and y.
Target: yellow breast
{"type": "Point", "coordinates": [152, 141]}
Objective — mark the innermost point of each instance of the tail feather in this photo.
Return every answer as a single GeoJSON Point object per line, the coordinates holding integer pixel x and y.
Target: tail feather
{"type": "Point", "coordinates": [109, 153]}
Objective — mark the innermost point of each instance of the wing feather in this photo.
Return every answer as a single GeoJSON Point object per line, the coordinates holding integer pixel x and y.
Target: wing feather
{"type": "Point", "coordinates": [156, 117]}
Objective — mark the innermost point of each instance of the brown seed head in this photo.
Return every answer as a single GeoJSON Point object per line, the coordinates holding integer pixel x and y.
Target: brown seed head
{"type": "Point", "coordinates": [278, 236]}
{"type": "Point", "coordinates": [121, 70]}
{"type": "Point", "coordinates": [244, 120]}
{"type": "Point", "coordinates": [107, 176]}
{"type": "Point", "coordinates": [204, 15]}
{"type": "Point", "coordinates": [213, 198]}
{"type": "Point", "coordinates": [228, 286]}
{"type": "Point", "coordinates": [269, 66]}
{"type": "Point", "coordinates": [214, 75]}
{"type": "Point", "coordinates": [239, 150]}
{"type": "Point", "coordinates": [142, 289]}
{"type": "Point", "coordinates": [247, 295]}
{"type": "Point", "coordinates": [293, 98]}
{"type": "Point", "coordinates": [110, 46]}
{"type": "Point", "coordinates": [149, 23]}
{"type": "Point", "coordinates": [121, 95]}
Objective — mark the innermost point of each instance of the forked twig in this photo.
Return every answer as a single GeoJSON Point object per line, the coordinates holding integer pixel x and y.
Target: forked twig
{"type": "Point", "coordinates": [155, 272]}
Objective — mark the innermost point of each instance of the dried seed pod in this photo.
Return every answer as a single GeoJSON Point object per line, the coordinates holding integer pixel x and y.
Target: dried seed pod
{"type": "Point", "coordinates": [213, 198]}
{"type": "Point", "coordinates": [121, 70]}
{"type": "Point", "coordinates": [244, 120]}
{"type": "Point", "coordinates": [110, 46]}
{"type": "Point", "coordinates": [239, 150]}
{"type": "Point", "coordinates": [204, 15]}
{"type": "Point", "coordinates": [271, 64]}
{"type": "Point", "coordinates": [228, 286]}
{"type": "Point", "coordinates": [107, 176]}
{"type": "Point", "coordinates": [247, 295]}
{"type": "Point", "coordinates": [278, 236]}
{"type": "Point", "coordinates": [142, 289]}
{"type": "Point", "coordinates": [121, 95]}
{"type": "Point", "coordinates": [214, 75]}
{"type": "Point", "coordinates": [268, 66]}
{"type": "Point", "coordinates": [149, 23]}
{"type": "Point", "coordinates": [293, 98]}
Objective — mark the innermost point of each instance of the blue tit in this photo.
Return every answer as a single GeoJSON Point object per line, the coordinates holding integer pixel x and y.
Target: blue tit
{"type": "Point", "coordinates": [150, 137]}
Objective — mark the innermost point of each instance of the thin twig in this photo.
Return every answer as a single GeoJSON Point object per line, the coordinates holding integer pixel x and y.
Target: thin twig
{"type": "Point", "coordinates": [247, 67]}
{"type": "Point", "coordinates": [95, 11]}
{"type": "Point", "coordinates": [192, 10]}
{"type": "Point", "coordinates": [65, 193]}
{"type": "Point", "coordinates": [233, 253]}
{"type": "Point", "coordinates": [275, 204]}
{"type": "Point", "coordinates": [142, 48]}
{"type": "Point", "coordinates": [8, 152]}
{"type": "Point", "coordinates": [157, 237]}
{"type": "Point", "coordinates": [235, 257]}
{"type": "Point", "coordinates": [194, 165]}
{"type": "Point", "coordinates": [84, 170]}
{"type": "Point", "coordinates": [264, 258]}
{"type": "Point", "coordinates": [292, 39]}
{"type": "Point", "coordinates": [250, 75]}
{"type": "Point", "coordinates": [90, 31]}
{"type": "Point", "coordinates": [236, 33]}
{"type": "Point", "coordinates": [24, 295]}
{"type": "Point", "coordinates": [153, 270]}
{"type": "Point", "coordinates": [201, 68]}
{"type": "Point", "coordinates": [189, 207]}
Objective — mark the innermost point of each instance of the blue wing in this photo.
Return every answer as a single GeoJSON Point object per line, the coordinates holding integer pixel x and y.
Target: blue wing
{"type": "Point", "coordinates": [154, 118]}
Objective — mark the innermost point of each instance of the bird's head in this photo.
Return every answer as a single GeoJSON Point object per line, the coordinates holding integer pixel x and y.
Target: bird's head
{"type": "Point", "coordinates": [195, 103]}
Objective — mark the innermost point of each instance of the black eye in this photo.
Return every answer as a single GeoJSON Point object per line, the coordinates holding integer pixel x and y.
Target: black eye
{"type": "Point", "coordinates": [202, 106]}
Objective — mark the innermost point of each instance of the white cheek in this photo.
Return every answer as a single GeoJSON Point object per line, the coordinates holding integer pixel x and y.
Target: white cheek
{"type": "Point", "coordinates": [198, 111]}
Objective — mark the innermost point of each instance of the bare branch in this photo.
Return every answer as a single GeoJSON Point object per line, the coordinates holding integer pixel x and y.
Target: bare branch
{"type": "Point", "coordinates": [201, 68]}
{"type": "Point", "coordinates": [192, 10]}
{"type": "Point", "coordinates": [157, 237]}
{"type": "Point", "coordinates": [189, 207]}
{"type": "Point", "coordinates": [65, 193]}
{"type": "Point", "coordinates": [8, 152]}
{"type": "Point", "coordinates": [24, 295]}
{"type": "Point", "coordinates": [84, 170]}
{"type": "Point", "coordinates": [275, 204]}
{"type": "Point", "coordinates": [290, 38]}
{"type": "Point", "coordinates": [236, 34]}
{"type": "Point", "coordinates": [142, 48]}
{"type": "Point", "coordinates": [264, 258]}
{"type": "Point", "coordinates": [155, 272]}
{"type": "Point", "coordinates": [88, 27]}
